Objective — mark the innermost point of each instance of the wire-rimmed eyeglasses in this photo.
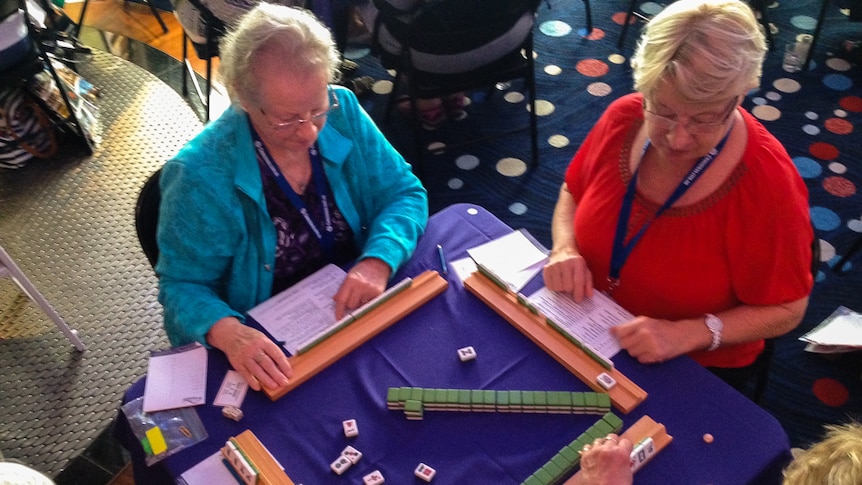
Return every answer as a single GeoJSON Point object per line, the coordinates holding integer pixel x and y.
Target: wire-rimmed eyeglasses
{"type": "Point", "coordinates": [296, 121]}
{"type": "Point", "coordinates": [693, 126]}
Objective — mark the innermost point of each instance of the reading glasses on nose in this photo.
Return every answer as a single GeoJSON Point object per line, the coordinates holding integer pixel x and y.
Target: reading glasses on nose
{"type": "Point", "coordinates": [295, 122]}
{"type": "Point", "coordinates": [693, 126]}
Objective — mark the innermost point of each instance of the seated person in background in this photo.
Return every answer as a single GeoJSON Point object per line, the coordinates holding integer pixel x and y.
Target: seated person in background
{"type": "Point", "coordinates": [228, 12]}
{"type": "Point", "coordinates": [294, 175]}
{"type": "Point", "coordinates": [683, 207]}
{"type": "Point", "coordinates": [836, 460]}
{"type": "Point", "coordinates": [393, 25]}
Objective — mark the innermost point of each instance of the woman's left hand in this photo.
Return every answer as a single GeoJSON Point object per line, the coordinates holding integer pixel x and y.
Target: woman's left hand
{"type": "Point", "coordinates": [365, 281]}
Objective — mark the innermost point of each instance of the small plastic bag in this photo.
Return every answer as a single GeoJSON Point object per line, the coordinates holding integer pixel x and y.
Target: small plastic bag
{"type": "Point", "coordinates": [164, 433]}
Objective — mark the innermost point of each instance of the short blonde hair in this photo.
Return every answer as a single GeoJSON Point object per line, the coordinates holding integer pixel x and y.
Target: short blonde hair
{"type": "Point", "coordinates": [710, 49]}
{"type": "Point", "coordinates": [836, 460]}
{"type": "Point", "coordinates": [294, 34]}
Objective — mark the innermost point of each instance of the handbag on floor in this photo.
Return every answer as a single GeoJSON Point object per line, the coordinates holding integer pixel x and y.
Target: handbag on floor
{"type": "Point", "coordinates": [26, 131]}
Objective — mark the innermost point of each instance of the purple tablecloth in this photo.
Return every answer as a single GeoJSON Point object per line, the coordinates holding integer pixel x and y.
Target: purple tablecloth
{"type": "Point", "coordinates": [304, 432]}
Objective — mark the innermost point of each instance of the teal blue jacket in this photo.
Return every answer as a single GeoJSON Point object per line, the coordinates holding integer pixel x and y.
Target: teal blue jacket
{"type": "Point", "coordinates": [216, 238]}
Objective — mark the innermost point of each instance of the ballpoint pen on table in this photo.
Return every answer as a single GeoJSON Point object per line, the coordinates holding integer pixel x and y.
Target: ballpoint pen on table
{"type": "Point", "coordinates": [442, 259]}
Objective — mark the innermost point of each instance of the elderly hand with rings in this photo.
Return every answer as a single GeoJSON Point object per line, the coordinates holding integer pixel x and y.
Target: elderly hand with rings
{"type": "Point", "coordinates": [606, 462]}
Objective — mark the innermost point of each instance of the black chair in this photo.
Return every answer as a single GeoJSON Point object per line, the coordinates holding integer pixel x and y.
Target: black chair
{"type": "Point", "coordinates": [764, 360]}
{"type": "Point", "coordinates": [147, 216]}
{"type": "Point", "coordinates": [761, 7]}
{"type": "Point", "coordinates": [214, 30]}
{"type": "Point", "coordinates": [851, 251]}
{"type": "Point", "coordinates": [153, 10]}
{"type": "Point", "coordinates": [33, 60]}
{"type": "Point", "coordinates": [442, 28]}
{"type": "Point", "coordinates": [821, 16]}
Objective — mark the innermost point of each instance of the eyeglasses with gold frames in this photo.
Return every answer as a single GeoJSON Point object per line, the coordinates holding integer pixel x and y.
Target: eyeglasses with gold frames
{"type": "Point", "coordinates": [693, 126]}
{"type": "Point", "coordinates": [296, 121]}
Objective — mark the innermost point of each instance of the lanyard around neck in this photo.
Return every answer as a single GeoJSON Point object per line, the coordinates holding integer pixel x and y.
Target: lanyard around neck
{"type": "Point", "coordinates": [622, 249]}
{"type": "Point", "coordinates": [327, 235]}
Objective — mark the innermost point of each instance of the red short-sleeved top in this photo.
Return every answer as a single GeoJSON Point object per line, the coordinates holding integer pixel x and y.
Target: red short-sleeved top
{"type": "Point", "coordinates": [749, 243]}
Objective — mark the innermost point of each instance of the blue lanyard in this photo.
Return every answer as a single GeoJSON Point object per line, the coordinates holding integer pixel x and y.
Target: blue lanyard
{"type": "Point", "coordinates": [327, 236]}
{"type": "Point", "coordinates": [622, 249]}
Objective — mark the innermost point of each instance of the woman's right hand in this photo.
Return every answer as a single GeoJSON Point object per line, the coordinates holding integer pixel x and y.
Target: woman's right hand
{"type": "Point", "coordinates": [260, 361]}
{"type": "Point", "coordinates": [606, 462]}
{"type": "Point", "coordinates": [567, 271]}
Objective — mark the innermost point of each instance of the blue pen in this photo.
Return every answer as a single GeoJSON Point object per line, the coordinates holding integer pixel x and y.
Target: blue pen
{"type": "Point", "coordinates": [442, 259]}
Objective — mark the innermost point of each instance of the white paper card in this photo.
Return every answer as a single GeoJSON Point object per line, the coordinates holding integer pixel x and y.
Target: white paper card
{"type": "Point", "coordinates": [463, 268]}
{"type": "Point", "coordinates": [210, 471]}
{"type": "Point", "coordinates": [840, 332]}
{"type": "Point", "coordinates": [232, 390]}
{"type": "Point", "coordinates": [176, 378]}
{"type": "Point", "coordinates": [514, 258]}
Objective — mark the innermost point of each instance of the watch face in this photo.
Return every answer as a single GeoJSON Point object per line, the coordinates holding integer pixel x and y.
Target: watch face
{"type": "Point", "coordinates": [713, 322]}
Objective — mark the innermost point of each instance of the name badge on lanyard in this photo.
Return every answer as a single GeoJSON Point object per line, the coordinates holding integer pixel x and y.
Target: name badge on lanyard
{"type": "Point", "coordinates": [326, 234]}
{"type": "Point", "coordinates": [622, 249]}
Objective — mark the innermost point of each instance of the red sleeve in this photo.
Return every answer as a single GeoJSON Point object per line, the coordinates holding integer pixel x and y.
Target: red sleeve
{"type": "Point", "coordinates": [770, 235]}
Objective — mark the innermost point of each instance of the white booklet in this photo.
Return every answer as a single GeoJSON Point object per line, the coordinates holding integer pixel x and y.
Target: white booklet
{"type": "Point", "coordinates": [514, 259]}
{"type": "Point", "coordinates": [589, 321]}
{"type": "Point", "coordinates": [176, 378]}
{"type": "Point", "coordinates": [840, 332]}
{"type": "Point", "coordinates": [304, 314]}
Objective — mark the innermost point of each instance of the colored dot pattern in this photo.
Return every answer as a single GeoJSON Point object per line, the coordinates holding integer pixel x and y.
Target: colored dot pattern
{"type": "Point", "coordinates": [824, 151]}
{"type": "Point", "coordinates": [830, 391]}
{"type": "Point", "coordinates": [839, 126]}
{"type": "Point", "coordinates": [837, 82]}
{"type": "Point", "coordinates": [511, 167]}
{"type": "Point", "coordinates": [839, 186]}
{"type": "Point", "coordinates": [851, 103]}
{"type": "Point", "coordinates": [592, 68]}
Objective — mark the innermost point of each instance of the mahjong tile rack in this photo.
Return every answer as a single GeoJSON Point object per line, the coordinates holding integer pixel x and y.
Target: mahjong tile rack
{"type": "Point", "coordinates": [251, 462]}
{"type": "Point", "coordinates": [306, 365]}
{"type": "Point", "coordinates": [645, 428]}
{"type": "Point", "coordinates": [625, 394]}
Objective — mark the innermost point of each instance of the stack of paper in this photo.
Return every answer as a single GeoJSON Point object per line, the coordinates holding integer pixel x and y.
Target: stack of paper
{"type": "Point", "coordinates": [176, 378]}
{"type": "Point", "coordinates": [514, 258]}
{"type": "Point", "coordinates": [840, 332]}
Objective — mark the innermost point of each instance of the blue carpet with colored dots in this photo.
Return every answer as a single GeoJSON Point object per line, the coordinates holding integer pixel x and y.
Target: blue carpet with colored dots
{"type": "Point", "coordinates": [817, 114]}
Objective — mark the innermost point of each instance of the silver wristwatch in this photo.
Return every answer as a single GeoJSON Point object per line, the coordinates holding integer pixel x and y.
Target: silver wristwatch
{"type": "Point", "coordinates": [715, 325]}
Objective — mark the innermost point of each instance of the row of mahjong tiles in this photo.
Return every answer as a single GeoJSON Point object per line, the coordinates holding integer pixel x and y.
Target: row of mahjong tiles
{"type": "Point", "coordinates": [563, 402]}
{"type": "Point", "coordinates": [568, 458]}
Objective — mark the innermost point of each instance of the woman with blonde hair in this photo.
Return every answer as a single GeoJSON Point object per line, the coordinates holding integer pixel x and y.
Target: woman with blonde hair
{"type": "Point", "coordinates": [683, 207]}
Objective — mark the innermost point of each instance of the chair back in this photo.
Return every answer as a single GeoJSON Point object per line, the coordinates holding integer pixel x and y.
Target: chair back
{"type": "Point", "coordinates": [7, 8]}
{"type": "Point", "coordinates": [214, 30]}
{"type": "Point", "coordinates": [456, 41]}
{"type": "Point", "coordinates": [456, 36]}
{"type": "Point", "coordinates": [147, 216]}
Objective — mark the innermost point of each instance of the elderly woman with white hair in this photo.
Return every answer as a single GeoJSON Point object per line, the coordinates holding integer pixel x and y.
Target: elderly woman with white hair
{"type": "Point", "coordinates": [293, 176]}
{"type": "Point", "coordinates": [683, 207]}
